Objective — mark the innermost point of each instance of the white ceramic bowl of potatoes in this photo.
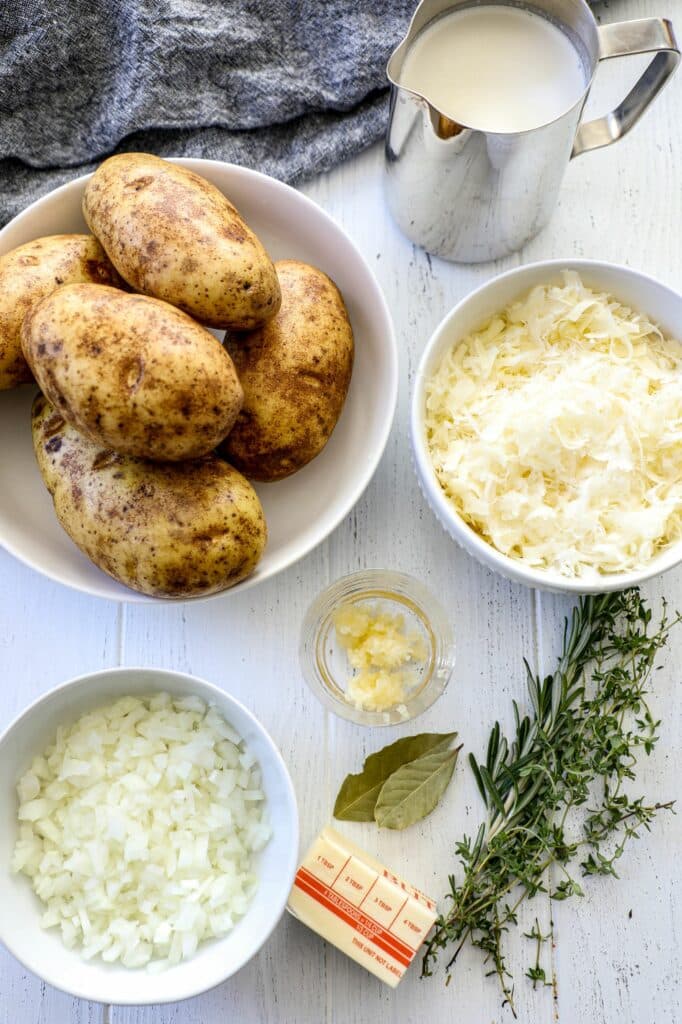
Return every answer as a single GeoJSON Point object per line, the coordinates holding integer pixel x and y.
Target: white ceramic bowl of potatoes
{"type": "Point", "coordinates": [42, 950]}
{"type": "Point", "coordinates": [649, 299]}
{"type": "Point", "coordinates": [149, 531]}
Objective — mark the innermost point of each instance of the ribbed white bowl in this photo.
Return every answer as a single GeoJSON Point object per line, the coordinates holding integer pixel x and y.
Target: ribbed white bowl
{"type": "Point", "coordinates": [42, 951]}
{"type": "Point", "coordinates": [635, 289]}
{"type": "Point", "coordinates": [301, 510]}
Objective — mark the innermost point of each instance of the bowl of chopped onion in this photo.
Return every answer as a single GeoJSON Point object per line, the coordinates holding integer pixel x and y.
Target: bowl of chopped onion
{"type": "Point", "coordinates": [547, 425]}
{"type": "Point", "coordinates": [148, 836]}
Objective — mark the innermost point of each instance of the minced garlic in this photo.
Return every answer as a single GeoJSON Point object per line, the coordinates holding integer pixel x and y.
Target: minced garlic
{"type": "Point", "coordinates": [383, 653]}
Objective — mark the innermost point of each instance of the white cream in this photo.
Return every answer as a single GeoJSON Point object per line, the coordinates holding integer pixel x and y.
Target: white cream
{"type": "Point", "coordinates": [496, 68]}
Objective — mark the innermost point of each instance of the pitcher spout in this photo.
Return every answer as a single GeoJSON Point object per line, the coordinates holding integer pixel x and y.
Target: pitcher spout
{"type": "Point", "coordinates": [426, 12]}
{"type": "Point", "coordinates": [443, 126]}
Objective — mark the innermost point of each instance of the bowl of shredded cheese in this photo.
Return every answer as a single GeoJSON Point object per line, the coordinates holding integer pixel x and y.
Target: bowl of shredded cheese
{"type": "Point", "coordinates": [547, 425]}
{"type": "Point", "coordinates": [149, 836]}
{"type": "Point", "coordinates": [377, 647]}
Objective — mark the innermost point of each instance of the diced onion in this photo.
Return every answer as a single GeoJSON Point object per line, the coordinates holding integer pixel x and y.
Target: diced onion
{"type": "Point", "coordinates": [137, 828]}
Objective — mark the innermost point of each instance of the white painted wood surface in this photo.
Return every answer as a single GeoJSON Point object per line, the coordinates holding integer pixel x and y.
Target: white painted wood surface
{"type": "Point", "coordinates": [622, 204]}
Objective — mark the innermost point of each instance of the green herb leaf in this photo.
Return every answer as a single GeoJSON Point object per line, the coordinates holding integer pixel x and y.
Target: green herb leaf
{"type": "Point", "coordinates": [358, 794]}
{"type": "Point", "coordinates": [586, 723]}
{"type": "Point", "coordinates": [413, 791]}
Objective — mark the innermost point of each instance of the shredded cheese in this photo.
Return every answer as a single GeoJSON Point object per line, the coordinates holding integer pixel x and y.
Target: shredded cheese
{"type": "Point", "coordinates": [382, 652]}
{"type": "Point", "coordinates": [556, 431]}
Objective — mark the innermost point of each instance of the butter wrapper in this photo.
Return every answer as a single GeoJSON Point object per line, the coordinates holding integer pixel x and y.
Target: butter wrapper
{"type": "Point", "coordinates": [353, 901]}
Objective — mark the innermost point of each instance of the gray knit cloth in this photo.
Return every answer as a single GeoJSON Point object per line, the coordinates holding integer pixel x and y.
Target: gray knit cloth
{"type": "Point", "coordinates": [290, 87]}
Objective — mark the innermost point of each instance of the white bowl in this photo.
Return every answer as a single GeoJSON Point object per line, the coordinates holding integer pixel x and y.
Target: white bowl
{"type": "Point", "coordinates": [42, 951]}
{"type": "Point", "coordinates": [301, 510]}
{"type": "Point", "coordinates": [637, 290]}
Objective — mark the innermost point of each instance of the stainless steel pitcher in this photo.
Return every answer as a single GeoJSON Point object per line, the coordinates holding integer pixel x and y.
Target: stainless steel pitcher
{"type": "Point", "coordinates": [470, 195]}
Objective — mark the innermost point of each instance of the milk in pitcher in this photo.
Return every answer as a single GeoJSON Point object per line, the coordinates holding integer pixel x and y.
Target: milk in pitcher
{"type": "Point", "coordinates": [496, 68]}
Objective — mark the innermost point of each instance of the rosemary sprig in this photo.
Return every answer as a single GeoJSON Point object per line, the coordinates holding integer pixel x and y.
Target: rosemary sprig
{"type": "Point", "coordinates": [556, 792]}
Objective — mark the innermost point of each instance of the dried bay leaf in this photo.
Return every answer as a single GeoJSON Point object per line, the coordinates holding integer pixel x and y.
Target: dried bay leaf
{"type": "Point", "coordinates": [413, 791]}
{"type": "Point", "coordinates": [358, 794]}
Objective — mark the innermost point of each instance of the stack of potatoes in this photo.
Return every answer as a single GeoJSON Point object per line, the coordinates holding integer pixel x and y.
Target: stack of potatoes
{"type": "Point", "coordinates": [148, 426]}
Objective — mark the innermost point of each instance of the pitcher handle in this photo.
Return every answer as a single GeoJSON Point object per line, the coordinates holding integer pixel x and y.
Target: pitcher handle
{"type": "Point", "coordinates": [620, 39]}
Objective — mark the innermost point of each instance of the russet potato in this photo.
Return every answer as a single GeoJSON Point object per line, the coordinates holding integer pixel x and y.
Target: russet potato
{"type": "Point", "coordinates": [173, 235]}
{"type": "Point", "coordinates": [295, 372]}
{"type": "Point", "coordinates": [30, 273]}
{"type": "Point", "coordinates": [175, 530]}
{"type": "Point", "coordinates": [132, 373]}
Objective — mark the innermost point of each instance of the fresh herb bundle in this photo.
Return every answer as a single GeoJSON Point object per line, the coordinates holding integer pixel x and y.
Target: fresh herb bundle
{"type": "Point", "coordinates": [570, 758]}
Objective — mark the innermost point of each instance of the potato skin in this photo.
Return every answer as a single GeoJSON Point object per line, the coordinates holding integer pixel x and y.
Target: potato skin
{"type": "Point", "coordinates": [295, 372]}
{"type": "Point", "coordinates": [132, 373]}
{"type": "Point", "coordinates": [175, 530]}
{"type": "Point", "coordinates": [29, 273]}
{"type": "Point", "coordinates": [174, 235]}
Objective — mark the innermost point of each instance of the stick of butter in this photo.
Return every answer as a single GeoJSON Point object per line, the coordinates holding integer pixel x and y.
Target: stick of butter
{"type": "Point", "coordinates": [361, 907]}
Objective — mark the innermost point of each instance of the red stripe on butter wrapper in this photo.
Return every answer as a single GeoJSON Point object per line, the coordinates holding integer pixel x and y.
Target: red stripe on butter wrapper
{"type": "Point", "coordinates": [361, 916]}
{"type": "Point", "coordinates": [345, 911]}
{"type": "Point", "coordinates": [337, 911]}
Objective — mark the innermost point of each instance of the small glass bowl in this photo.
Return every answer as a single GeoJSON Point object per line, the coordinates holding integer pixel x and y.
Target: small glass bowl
{"type": "Point", "coordinates": [325, 665]}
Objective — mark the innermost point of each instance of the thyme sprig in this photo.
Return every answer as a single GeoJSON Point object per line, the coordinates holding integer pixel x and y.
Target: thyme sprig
{"type": "Point", "coordinates": [557, 792]}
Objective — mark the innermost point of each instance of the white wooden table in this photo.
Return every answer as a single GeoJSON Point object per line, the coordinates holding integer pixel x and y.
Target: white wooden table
{"type": "Point", "coordinates": [622, 204]}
